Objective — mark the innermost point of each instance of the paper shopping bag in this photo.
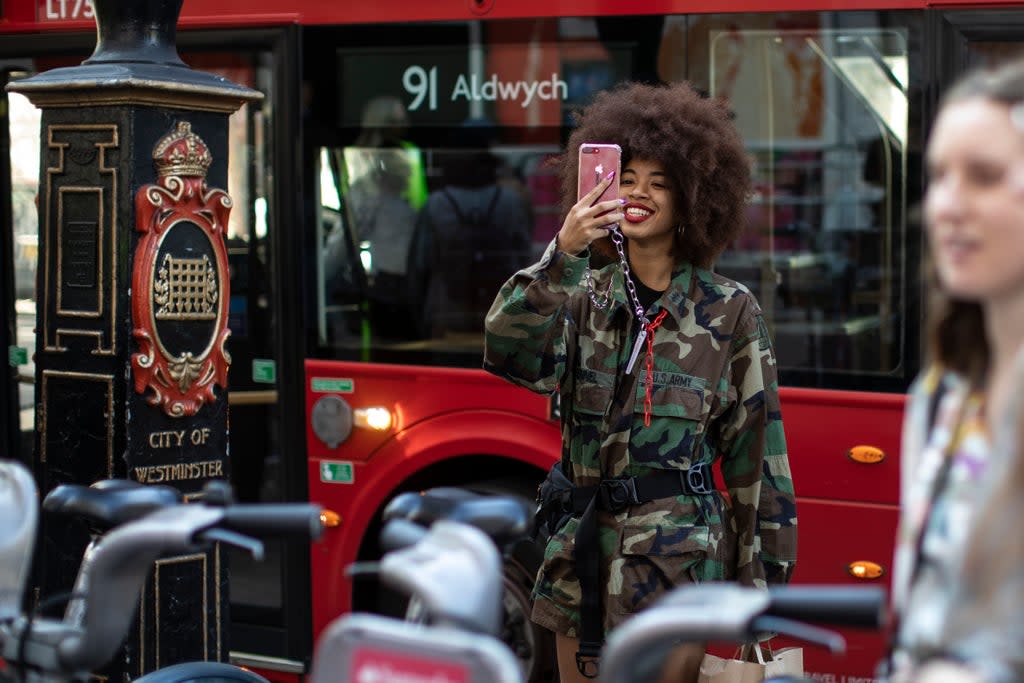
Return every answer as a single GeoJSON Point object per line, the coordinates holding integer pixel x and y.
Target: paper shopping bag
{"type": "Point", "coordinates": [750, 665]}
{"type": "Point", "coordinates": [788, 660]}
{"type": "Point", "coordinates": [715, 669]}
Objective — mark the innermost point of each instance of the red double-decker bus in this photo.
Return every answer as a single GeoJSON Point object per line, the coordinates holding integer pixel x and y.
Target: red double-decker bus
{"type": "Point", "coordinates": [356, 357]}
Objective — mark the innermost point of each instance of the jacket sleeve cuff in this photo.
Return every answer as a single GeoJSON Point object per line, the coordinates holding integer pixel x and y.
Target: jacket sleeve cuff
{"type": "Point", "coordinates": [564, 269]}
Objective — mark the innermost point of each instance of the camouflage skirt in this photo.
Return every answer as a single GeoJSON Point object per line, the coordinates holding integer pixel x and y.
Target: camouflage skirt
{"type": "Point", "coordinates": [646, 551]}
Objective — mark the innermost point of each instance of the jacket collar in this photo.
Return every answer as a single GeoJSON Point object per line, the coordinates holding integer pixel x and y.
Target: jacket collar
{"type": "Point", "coordinates": [673, 299]}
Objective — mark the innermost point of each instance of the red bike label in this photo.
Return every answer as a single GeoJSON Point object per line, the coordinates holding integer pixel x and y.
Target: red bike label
{"type": "Point", "coordinates": [380, 666]}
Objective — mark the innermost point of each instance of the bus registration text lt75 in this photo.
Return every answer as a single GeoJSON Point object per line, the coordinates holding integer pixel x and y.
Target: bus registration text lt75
{"type": "Point", "coordinates": [49, 11]}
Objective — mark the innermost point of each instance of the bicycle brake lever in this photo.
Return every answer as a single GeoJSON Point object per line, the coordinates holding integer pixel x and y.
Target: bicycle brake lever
{"type": "Point", "coordinates": [216, 492]}
{"type": "Point", "coordinates": [815, 635]}
{"type": "Point", "coordinates": [254, 546]}
{"type": "Point", "coordinates": [357, 569]}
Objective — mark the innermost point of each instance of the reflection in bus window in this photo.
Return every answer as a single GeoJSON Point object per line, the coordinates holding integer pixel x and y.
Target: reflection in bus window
{"type": "Point", "coordinates": [824, 115]}
{"type": "Point", "coordinates": [382, 220]}
{"type": "Point", "coordinates": [473, 233]}
{"type": "Point", "coordinates": [398, 278]}
{"type": "Point", "coordinates": [823, 110]}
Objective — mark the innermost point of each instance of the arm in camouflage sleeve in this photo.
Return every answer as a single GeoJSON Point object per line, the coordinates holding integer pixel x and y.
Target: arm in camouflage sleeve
{"type": "Point", "coordinates": [525, 338]}
{"type": "Point", "coordinates": [755, 465]}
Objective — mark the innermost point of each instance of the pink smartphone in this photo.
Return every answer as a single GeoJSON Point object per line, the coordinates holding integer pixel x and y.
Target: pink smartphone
{"type": "Point", "coordinates": [597, 159]}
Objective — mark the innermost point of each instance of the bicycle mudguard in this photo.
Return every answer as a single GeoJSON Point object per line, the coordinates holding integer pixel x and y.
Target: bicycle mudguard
{"type": "Point", "coordinates": [19, 516]}
{"type": "Point", "coordinates": [367, 647]}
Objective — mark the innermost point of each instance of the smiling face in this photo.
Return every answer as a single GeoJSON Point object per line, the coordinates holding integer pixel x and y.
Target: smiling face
{"type": "Point", "coordinates": [974, 206]}
{"type": "Point", "coordinates": [650, 214]}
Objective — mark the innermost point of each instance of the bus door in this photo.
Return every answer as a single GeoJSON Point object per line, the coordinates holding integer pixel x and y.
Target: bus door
{"type": "Point", "coordinates": [270, 622]}
{"type": "Point", "coordinates": [19, 183]}
{"type": "Point", "coordinates": [826, 105]}
{"type": "Point", "coordinates": [9, 404]}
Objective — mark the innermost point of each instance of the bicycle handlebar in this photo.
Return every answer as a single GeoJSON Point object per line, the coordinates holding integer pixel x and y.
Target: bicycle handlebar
{"type": "Point", "coordinates": [729, 612]}
{"type": "Point", "coordinates": [503, 518]}
{"type": "Point", "coordinates": [397, 534]}
{"type": "Point", "coordinates": [116, 570]}
{"type": "Point", "coordinates": [281, 519]}
{"type": "Point", "coordinates": [858, 606]}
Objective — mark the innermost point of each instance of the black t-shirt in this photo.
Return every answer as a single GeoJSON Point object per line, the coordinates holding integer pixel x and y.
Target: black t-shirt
{"type": "Point", "coordinates": [645, 294]}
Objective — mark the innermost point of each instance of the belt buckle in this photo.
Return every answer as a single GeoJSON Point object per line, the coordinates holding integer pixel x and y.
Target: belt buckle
{"type": "Point", "coordinates": [618, 494]}
{"type": "Point", "coordinates": [697, 479]}
{"type": "Point", "coordinates": [588, 665]}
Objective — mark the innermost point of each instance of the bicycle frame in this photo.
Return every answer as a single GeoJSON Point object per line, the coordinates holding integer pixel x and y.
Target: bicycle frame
{"type": "Point", "coordinates": [455, 572]}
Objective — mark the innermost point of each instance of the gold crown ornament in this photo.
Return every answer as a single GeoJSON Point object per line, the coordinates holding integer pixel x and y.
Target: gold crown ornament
{"type": "Point", "coordinates": [181, 153]}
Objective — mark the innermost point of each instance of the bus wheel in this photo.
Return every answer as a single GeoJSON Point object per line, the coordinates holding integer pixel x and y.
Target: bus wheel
{"type": "Point", "coordinates": [533, 645]}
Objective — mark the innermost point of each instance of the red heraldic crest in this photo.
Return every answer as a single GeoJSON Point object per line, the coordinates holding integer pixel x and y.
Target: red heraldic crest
{"type": "Point", "coordinates": [180, 282]}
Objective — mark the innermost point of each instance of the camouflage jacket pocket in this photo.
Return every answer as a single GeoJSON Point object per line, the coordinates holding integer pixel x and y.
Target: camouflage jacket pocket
{"type": "Point", "coordinates": [557, 580]}
{"type": "Point", "coordinates": [674, 394]}
{"type": "Point", "coordinates": [655, 558]}
{"type": "Point", "coordinates": [593, 392]}
{"type": "Point", "coordinates": [672, 439]}
{"type": "Point", "coordinates": [657, 540]}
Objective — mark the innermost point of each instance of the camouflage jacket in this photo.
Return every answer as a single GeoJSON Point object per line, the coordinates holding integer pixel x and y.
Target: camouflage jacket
{"type": "Point", "coordinates": [714, 392]}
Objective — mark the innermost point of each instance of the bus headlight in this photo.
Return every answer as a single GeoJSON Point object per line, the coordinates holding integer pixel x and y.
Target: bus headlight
{"type": "Point", "coordinates": [376, 418]}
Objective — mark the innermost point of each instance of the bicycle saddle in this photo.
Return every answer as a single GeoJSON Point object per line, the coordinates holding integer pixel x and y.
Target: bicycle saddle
{"type": "Point", "coordinates": [503, 518]}
{"type": "Point", "coordinates": [109, 502]}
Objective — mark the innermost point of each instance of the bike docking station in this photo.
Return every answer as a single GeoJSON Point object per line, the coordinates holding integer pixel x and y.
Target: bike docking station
{"type": "Point", "coordinates": [132, 322]}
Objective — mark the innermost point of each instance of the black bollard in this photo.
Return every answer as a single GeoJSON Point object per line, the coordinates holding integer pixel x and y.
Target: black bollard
{"type": "Point", "coordinates": [131, 351]}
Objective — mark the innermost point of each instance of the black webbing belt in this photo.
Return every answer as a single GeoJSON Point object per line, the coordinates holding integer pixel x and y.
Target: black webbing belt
{"type": "Point", "coordinates": [615, 495]}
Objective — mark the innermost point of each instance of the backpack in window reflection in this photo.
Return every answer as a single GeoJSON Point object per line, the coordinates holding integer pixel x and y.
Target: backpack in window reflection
{"type": "Point", "coordinates": [474, 262]}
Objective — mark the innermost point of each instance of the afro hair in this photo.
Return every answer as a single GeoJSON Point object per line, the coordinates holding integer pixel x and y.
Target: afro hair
{"type": "Point", "coordinates": [693, 137]}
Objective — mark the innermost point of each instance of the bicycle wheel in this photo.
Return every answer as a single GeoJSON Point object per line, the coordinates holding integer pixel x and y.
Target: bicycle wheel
{"type": "Point", "coordinates": [201, 672]}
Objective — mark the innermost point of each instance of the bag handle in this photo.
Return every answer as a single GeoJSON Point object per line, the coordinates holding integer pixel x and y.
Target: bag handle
{"type": "Point", "coordinates": [758, 653]}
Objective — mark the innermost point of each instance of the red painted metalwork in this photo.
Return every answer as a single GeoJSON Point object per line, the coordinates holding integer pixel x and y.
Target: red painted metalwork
{"type": "Point", "coordinates": [440, 413]}
{"type": "Point", "coordinates": [74, 14]}
{"type": "Point", "coordinates": [180, 382]}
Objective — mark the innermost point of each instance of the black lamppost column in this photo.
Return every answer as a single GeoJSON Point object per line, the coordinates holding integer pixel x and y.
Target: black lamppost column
{"type": "Point", "coordinates": [131, 352]}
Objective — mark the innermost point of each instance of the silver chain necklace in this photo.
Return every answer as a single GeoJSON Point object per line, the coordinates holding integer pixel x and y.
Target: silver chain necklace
{"type": "Point", "coordinates": [601, 300]}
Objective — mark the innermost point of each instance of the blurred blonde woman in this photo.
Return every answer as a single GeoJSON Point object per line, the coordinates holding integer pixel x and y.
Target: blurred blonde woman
{"type": "Point", "coordinates": [958, 593]}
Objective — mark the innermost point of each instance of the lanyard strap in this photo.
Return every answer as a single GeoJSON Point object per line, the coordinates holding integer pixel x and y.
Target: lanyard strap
{"type": "Point", "coordinates": [649, 364]}
{"type": "Point", "coordinates": [938, 484]}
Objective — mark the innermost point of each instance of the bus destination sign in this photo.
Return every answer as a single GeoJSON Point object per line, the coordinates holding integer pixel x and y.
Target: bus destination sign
{"type": "Point", "coordinates": [510, 85]}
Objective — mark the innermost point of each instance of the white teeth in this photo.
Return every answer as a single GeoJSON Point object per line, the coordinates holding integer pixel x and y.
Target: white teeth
{"type": "Point", "coordinates": [633, 211]}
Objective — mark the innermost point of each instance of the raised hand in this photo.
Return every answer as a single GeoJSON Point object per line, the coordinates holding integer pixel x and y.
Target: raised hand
{"type": "Point", "coordinates": [587, 221]}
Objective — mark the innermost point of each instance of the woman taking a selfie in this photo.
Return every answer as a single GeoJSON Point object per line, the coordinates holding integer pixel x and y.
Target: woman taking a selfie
{"type": "Point", "coordinates": [662, 367]}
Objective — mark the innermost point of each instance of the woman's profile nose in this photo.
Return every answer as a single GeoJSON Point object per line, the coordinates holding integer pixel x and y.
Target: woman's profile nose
{"type": "Point", "coordinates": [942, 198]}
